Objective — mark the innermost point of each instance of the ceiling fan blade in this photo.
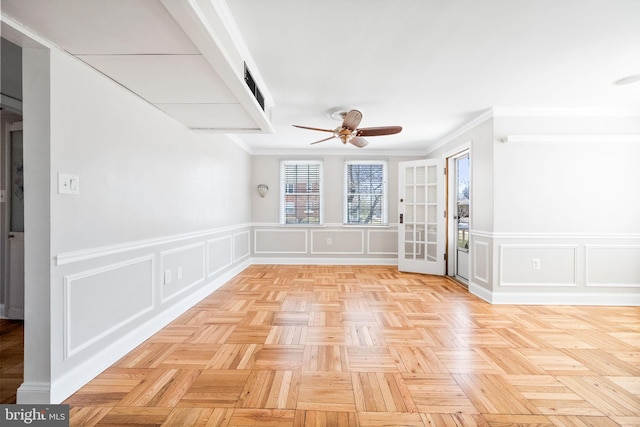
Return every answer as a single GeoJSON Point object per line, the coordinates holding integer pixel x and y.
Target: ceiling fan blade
{"type": "Point", "coordinates": [358, 141]}
{"type": "Point", "coordinates": [307, 127]}
{"type": "Point", "coordinates": [352, 120]}
{"type": "Point", "coordinates": [322, 140]}
{"type": "Point", "coordinates": [378, 131]}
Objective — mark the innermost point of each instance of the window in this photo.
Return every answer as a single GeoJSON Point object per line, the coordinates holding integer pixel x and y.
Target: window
{"type": "Point", "coordinates": [365, 192]}
{"type": "Point", "coordinates": [301, 192]}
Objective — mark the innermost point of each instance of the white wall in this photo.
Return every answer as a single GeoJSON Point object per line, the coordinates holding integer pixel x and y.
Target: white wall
{"type": "Point", "coordinates": [308, 244]}
{"type": "Point", "coordinates": [570, 206]}
{"type": "Point", "coordinates": [154, 197]}
{"type": "Point", "coordinates": [571, 203]}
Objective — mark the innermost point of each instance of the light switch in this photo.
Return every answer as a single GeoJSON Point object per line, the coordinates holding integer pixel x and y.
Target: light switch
{"type": "Point", "coordinates": [68, 184]}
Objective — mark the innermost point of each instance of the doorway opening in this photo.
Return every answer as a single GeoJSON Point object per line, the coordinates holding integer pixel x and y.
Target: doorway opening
{"type": "Point", "coordinates": [458, 218]}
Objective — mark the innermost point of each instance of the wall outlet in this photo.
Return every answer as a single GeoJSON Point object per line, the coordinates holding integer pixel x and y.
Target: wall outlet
{"type": "Point", "coordinates": [167, 277]}
{"type": "Point", "coordinates": [179, 273]}
{"type": "Point", "coordinates": [535, 263]}
{"type": "Point", "coordinates": [329, 241]}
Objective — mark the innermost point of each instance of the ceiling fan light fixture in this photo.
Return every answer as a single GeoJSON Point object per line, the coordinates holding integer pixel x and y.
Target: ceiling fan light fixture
{"type": "Point", "coordinates": [339, 113]}
{"type": "Point", "coordinates": [627, 80]}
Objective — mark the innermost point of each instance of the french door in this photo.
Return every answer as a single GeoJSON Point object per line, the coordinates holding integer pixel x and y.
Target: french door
{"type": "Point", "coordinates": [421, 232]}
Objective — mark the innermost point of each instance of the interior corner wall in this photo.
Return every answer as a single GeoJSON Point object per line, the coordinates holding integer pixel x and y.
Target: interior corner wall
{"type": "Point", "coordinates": [565, 213]}
{"type": "Point", "coordinates": [161, 220]}
{"type": "Point", "coordinates": [481, 221]}
{"type": "Point", "coordinates": [37, 269]}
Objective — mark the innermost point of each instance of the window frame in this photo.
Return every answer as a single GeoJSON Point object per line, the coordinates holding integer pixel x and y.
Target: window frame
{"type": "Point", "coordinates": [283, 204]}
{"type": "Point", "coordinates": [385, 192]}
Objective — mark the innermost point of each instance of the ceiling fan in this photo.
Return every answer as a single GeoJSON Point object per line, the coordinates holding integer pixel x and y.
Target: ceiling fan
{"type": "Point", "coordinates": [349, 131]}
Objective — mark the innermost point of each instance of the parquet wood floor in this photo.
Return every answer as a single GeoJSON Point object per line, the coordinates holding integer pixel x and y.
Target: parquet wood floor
{"type": "Point", "coordinates": [369, 346]}
{"type": "Point", "coordinates": [11, 359]}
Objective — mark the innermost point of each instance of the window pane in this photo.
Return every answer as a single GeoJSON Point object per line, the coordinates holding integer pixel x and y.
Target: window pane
{"type": "Point", "coordinates": [301, 199]}
{"type": "Point", "coordinates": [365, 193]}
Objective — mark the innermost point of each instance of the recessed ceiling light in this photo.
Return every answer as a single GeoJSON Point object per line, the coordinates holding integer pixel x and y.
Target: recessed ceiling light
{"type": "Point", "coordinates": [628, 80]}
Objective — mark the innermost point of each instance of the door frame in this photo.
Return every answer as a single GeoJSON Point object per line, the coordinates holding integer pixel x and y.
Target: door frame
{"type": "Point", "coordinates": [7, 256]}
{"type": "Point", "coordinates": [449, 158]}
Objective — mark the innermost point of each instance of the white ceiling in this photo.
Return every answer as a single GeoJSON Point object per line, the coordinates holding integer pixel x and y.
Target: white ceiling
{"type": "Point", "coordinates": [427, 65]}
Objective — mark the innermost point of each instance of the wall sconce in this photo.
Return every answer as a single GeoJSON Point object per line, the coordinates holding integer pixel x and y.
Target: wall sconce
{"type": "Point", "coordinates": [263, 189]}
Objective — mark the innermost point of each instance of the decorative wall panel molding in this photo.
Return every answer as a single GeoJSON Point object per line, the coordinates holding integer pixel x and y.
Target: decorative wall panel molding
{"type": "Point", "coordinates": [91, 253]}
{"type": "Point", "coordinates": [241, 245]}
{"type": "Point", "coordinates": [538, 265]}
{"type": "Point", "coordinates": [279, 241]}
{"type": "Point", "coordinates": [480, 256]}
{"type": "Point", "coordinates": [219, 254]}
{"type": "Point", "coordinates": [100, 301]}
{"type": "Point", "coordinates": [599, 260]}
{"type": "Point", "coordinates": [337, 242]}
{"type": "Point", "coordinates": [382, 242]}
{"type": "Point", "coordinates": [180, 269]}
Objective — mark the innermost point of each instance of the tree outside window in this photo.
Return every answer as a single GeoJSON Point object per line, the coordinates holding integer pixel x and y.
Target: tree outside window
{"type": "Point", "coordinates": [365, 192]}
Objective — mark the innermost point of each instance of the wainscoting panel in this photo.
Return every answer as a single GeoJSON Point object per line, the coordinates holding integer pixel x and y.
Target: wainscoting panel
{"type": "Point", "coordinates": [538, 265]}
{"type": "Point", "coordinates": [280, 241]}
{"type": "Point", "coordinates": [480, 257]}
{"type": "Point", "coordinates": [219, 254]}
{"type": "Point", "coordinates": [382, 242]}
{"type": "Point", "coordinates": [115, 297]}
{"type": "Point", "coordinates": [601, 258]}
{"type": "Point", "coordinates": [337, 242]}
{"type": "Point", "coordinates": [241, 245]}
{"type": "Point", "coordinates": [180, 269]}
{"type": "Point", "coordinates": [99, 301]}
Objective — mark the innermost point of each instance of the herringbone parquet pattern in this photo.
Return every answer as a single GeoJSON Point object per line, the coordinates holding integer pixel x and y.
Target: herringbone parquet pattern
{"type": "Point", "coordinates": [369, 346]}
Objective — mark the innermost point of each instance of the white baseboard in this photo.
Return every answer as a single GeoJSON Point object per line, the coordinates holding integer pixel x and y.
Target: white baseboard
{"type": "Point", "coordinates": [324, 261]}
{"type": "Point", "coordinates": [77, 377]}
{"type": "Point", "coordinates": [628, 299]}
{"type": "Point", "coordinates": [34, 393]}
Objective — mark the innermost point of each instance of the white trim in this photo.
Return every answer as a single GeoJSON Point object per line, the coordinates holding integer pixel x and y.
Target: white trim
{"type": "Point", "coordinates": [323, 261]}
{"type": "Point", "coordinates": [92, 253]}
{"type": "Point", "coordinates": [343, 152]}
{"type": "Point", "coordinates": [566, 112]}
{"type": "Point", "coordinates": [68, 350]}
{"type": "Point", "coordinates": [78, 376]}
{"type": "Point", "coordinates": [2, 313]}
{"type": "Point", "coordinates": [631, 299]}
{"type": "Point", "coordinates": [236, 140]}
{"type": "Point", "coordinates": [34, 393]}
{"type": "Point", "coordinates": [508, 235]}
{"type": "Point", "coordinates": [483, 117]}
{"type": "Point", "coordinates": [481, 292]}
{"type": "Point", "coordinates": [570, 138]}
{"type": "Point", "coordinates": [563, 298]}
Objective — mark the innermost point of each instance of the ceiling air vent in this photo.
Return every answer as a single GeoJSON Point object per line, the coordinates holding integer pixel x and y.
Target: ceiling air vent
{"type": "Point", "coordinates": [253, 87]}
